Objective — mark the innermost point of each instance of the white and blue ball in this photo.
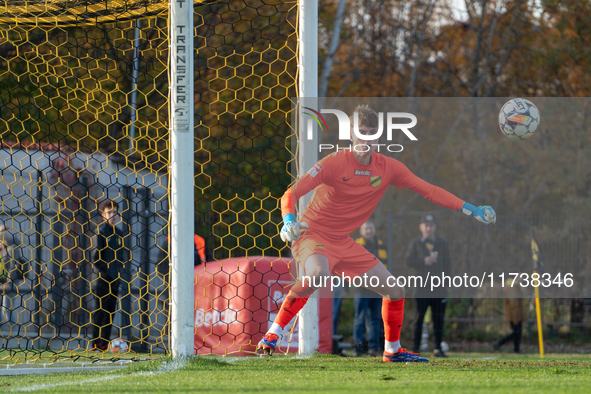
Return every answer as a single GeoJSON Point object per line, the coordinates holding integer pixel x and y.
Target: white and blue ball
{"type": "Point", "coordinates": [118, 346]}
{"type": "Point", "coordinates": [519, 118]}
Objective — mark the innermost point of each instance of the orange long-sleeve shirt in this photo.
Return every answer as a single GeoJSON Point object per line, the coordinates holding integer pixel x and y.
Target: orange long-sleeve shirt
{"type": "Point", "coordinates": [347, 192]}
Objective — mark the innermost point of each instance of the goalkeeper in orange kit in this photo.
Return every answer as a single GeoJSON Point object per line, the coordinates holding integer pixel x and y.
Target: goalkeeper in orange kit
{"type": "Point", "coordinates": [348, 186]}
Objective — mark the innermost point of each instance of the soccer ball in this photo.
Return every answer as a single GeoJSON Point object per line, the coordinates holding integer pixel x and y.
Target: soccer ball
{"type": "Point", "coordinates": [118, 346]}
{"type": "Point", "coordinates": [519, 118]}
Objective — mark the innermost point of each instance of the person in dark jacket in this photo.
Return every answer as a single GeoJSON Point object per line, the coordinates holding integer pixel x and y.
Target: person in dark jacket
{"type": "Point", "coordinates": [110, 261]}
{"type": "Point", "coordinates": [367, 305]}
{"type": "Point", "coordinates": [429, 255]}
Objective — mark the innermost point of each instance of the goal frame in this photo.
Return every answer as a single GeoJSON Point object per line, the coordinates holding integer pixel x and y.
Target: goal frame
{"type": "Point", "coordinates": [181, 106]}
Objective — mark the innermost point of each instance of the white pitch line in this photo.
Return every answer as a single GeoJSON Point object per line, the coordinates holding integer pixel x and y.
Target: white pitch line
{"type": "Point", "coordinates": [44, 371]}
{"type": "Point", "coordinates": [231, 359]}
{"type": "Point", "coordinates": [81, 382]}
{"type": "Point", "coordinates": [166, 367]}
{"type": "Point", "coordinates": [302, 356]}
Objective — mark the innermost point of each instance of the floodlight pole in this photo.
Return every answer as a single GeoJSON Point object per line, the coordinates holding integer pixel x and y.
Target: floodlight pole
{"type": "Point", "coordinates": [182, 327]}
{"type": "Point", "coordinates": [308, 149]}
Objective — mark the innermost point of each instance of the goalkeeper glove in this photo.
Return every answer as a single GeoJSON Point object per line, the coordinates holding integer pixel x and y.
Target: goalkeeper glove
{"type": "Point", "coordinates": [291, 228]}
{"type": "Point", "coordinates": [484, 214]}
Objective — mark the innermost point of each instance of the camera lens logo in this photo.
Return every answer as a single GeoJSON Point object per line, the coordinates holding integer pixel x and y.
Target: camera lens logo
{"type": "Point", "coordinates": [386, 124]}
{"type": "Point", "coordinates": [318, 115]}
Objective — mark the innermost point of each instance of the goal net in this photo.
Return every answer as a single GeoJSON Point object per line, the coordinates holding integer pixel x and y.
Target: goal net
{"type": "Point", "coordinates": [84, 90]}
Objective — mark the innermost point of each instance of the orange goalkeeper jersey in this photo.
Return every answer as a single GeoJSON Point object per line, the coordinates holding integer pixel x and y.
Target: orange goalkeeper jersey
{"type": "Point", "coordinates": [347, 192]}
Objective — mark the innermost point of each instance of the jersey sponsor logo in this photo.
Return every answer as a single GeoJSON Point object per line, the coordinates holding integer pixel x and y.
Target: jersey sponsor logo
{"type": "Point", "coordinates": [315, 170]}
{"type": "Point", "coordinates": [363, 172]}
{"type": "Point", "coordinates": [345, 179]}
{"type": "Point", "coordinates": [375, 181]}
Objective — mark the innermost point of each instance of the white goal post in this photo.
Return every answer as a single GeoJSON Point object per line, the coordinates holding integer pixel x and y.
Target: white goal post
{"type": "Point", "coordinates": [307, 149]}
{"type": "Point", "coordinates": [181, 107]}
{"type": "Point", "coordinates": [182, 208]}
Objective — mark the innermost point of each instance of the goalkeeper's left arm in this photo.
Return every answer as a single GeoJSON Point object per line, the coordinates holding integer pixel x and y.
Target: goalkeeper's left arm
{"type": "Point", "coordinates": [403, 177]}
{"type": "Point", "coordinates": [484, 214]}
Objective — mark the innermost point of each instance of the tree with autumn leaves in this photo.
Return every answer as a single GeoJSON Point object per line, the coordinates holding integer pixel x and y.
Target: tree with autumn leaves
{"type": "Point", "coordinates": [495, 48]}
{"type": "Point", "coordinates": [502, 49]}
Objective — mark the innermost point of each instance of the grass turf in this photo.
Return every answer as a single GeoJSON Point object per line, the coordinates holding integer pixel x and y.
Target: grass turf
{"type": "Point", "coordinates": [322, 373]}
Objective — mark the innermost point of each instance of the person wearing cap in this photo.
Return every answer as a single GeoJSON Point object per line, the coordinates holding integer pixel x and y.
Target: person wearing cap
{"type": "Point", "coordinates": [429, 255]}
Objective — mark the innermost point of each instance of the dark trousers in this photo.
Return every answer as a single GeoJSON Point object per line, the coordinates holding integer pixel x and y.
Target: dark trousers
{"type": "Point", "coordinates": [372, 309]}
{"type": "Point", "coordinates": [106, 304]}
{"type": "Point", "coordinates": [337, 304]}
{"type": "Point", "coordinates": [437, 311]}
{"type": "Point", "coordinates": [515, 336]}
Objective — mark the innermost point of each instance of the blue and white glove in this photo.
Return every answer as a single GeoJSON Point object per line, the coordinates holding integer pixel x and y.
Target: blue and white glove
{"type": "Point", "coordinates": [291, 228]}
{"type": "Point", "coordinates": [484, 214]}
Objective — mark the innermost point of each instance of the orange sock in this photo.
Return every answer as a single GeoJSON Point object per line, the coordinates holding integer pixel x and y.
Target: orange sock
{"type": "Point", "coordinates": [293, 303]}
{"type": "Point", "coordinates": [392, 313]}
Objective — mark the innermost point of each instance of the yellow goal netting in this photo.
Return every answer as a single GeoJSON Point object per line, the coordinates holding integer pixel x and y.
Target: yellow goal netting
{"type": "Point", "coordinates": [84, 119]}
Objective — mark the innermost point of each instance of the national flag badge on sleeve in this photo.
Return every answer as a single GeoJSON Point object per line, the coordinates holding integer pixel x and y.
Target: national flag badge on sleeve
{"type": "Point", "coordinates": [315, 170]}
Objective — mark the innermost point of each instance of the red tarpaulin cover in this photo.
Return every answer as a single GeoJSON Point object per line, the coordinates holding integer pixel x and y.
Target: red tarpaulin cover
{"type": "Point", "coordinates": [237, 299]}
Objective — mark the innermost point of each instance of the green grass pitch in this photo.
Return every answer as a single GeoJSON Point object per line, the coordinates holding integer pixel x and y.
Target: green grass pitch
{"type": "Point", "coordinates": [323, 373]}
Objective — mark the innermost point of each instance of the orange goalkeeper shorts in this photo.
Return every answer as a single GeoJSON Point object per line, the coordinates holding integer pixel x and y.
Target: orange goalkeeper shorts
{"type": "Point", "coordinates": [344, 256]}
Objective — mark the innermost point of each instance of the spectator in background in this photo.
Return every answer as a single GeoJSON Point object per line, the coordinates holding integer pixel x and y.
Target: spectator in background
{"type": "Point", "coordinates": [368, 305]}
{"type": "Point", "coordinates": [5, 280]}
{"type": "Point", "coordinates": [514, 315]}
{"type": "Point", "coordinates": [429, 254]}
{"type": "Point", "coordinates": [202, 254]}
{"type": "Point", "coordinates": [110, 260]}
{"type": "Point", "coordinates": [337, 304]}
{"type": "Point", "coordinates": [11, 270]}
